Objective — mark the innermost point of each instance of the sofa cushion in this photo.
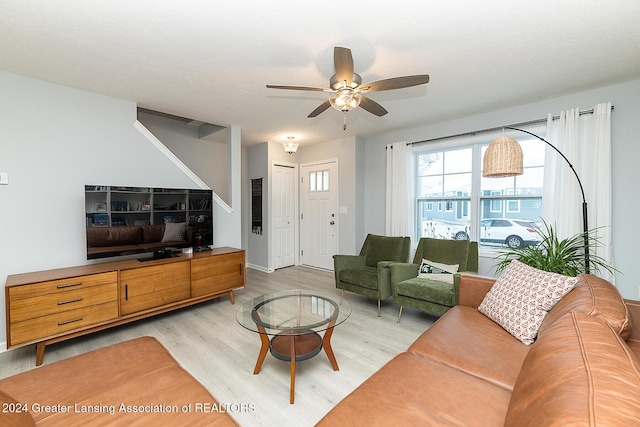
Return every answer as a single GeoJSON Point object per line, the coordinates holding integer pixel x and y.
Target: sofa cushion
{"type": "Point", "coordinates": [113, 236]}
{"type": "Point", "coordinates": [469, 341]}
{"type": "Point", "coordinates": [14, 413]}
{"type": "Point", "coordinates": [152, 233]}
{"type": "Point", "coordinates": [383, 248]}
{"type": "Point", "coordinates": [433, 290]}
{"type": "Point", "coordinates": [580, 372]}
{"type": "Point", "coordinates": [414, 391]}
{"type": "Point", "coordinates": [596, 297]}
{"type": "Point", "coordinates": [521, 297]}
{"type": "Point", "coordinates": [174, 232]}
{"type": "Point", "coordinates": [362, 276]}
{"type": "Point", "coordinates": [133, 373]}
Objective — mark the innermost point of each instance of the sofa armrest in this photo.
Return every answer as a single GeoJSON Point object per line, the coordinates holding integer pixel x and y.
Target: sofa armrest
{"type": "Point", "coordinates": [344, 262]}
{"type": "Point", "coordinates": [473, 288]}
{"type": "Point", "coordinates": [402, 271]}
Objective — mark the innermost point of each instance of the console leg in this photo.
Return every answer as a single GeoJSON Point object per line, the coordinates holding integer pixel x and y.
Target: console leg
{"type": "Point", "coordinates": [40, 353]}
{"type": "Point", "coordinates": [233, 301]}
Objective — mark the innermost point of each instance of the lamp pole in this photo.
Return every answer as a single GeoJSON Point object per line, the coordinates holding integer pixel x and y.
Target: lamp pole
{"type": "Point", "coordinates": [585, 225]}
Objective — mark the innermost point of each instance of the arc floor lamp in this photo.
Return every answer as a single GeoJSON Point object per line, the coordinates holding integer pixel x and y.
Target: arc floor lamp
{"type": "Point", "coordinates": [503, 158]}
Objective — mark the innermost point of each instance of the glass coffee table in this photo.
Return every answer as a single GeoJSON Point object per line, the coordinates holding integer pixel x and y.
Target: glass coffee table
{"type": "Point", "coordinates": [290, 322]}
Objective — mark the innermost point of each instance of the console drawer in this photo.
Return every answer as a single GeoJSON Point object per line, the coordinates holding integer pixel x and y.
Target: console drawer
{"type": "Point", "coordinates": [62, 285]}
{"type": "Point", "coordinates": [46, 326]}
{"type": "Point", "coordinates": [44, 305]}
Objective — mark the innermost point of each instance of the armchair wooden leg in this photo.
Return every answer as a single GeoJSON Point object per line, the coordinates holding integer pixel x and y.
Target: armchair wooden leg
{"type": "Point", "coordinates": [378, 308]}
{"type": "Point", "coordinates": [341, 296]}
{"type": "Point", "coordinates": [399, 314]}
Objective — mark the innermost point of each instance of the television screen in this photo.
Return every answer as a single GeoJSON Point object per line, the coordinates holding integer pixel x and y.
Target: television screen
{"type": "Point", "coordinates": [139, 220]}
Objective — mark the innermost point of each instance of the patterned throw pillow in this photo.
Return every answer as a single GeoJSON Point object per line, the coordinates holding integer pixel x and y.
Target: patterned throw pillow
{"type": "Point", "coordinates": [174, 231]}
{"type": "Point", "coordinates": [437, 271]}
{"type": "Point", "coordinates": [521, 297]}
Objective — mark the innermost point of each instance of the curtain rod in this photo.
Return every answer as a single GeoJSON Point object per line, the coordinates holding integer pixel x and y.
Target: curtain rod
{"type": "Point", "coordinates": [493, 129]}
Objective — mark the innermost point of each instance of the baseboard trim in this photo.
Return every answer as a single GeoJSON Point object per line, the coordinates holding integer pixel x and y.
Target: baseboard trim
{"type": "Point", "coordinates": [260, 268]}
{"type": "Point", "coordinates": [3, 347]}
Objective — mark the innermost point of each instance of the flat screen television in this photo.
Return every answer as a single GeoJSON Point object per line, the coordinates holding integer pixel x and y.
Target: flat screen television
{"type": "Point", "coordinates": [156, 222]}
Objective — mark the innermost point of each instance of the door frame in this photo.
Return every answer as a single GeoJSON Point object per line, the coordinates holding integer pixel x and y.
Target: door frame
{"type": "Point", "coordinates": [296, 213]}
{"type": "Point", "coordinates": [335, 161]}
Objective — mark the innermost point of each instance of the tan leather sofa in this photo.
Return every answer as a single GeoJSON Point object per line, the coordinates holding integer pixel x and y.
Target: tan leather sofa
{"type": "Point", "coordinates": [466, 370]}
{"type": "Point", "coordinates": [134, 383]}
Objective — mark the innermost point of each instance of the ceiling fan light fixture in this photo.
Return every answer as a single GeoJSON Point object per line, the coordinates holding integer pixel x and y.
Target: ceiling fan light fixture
{"type": "Point", "coordinates": [345, 99]}
{"type": "Point", "coordinates": [336, 84]}
{"type": "Point", "coordinates": [290, 146]}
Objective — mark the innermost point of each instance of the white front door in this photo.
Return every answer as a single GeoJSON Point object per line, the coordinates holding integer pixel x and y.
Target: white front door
{"type": "Point", "coordinates": [319, 214]}
{"type": "Point", "coordinates": [284, 213]}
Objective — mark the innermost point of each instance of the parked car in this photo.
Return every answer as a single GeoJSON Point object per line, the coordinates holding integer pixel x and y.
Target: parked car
{"type": "Point", "coordinates": [515, 233]}
{"type": "Point", "coordinates": [439, 229]}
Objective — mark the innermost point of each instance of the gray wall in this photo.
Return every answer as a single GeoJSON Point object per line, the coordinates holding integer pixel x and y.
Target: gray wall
{"type": "Point", "coordinates": [207, 159]}
{"type": "Point", "coordinates": [625, 154]}
{"type": "Point", "coordinates": [257, 167]}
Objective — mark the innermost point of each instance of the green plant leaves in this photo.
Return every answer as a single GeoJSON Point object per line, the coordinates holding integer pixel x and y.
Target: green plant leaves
{"type": "Point", "coordinates": [563, 256]}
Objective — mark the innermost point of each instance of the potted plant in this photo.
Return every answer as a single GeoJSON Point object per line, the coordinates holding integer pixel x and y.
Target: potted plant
{"type": "Point", "coordinates": [552, 254]}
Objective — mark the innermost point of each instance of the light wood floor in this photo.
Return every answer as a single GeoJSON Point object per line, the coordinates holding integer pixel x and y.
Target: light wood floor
{"type": "Point", "coordinates": [209, 343]}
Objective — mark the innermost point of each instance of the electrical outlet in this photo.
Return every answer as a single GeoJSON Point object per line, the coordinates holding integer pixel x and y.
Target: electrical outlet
{"type": "Point", "coordinates": [4, 178]}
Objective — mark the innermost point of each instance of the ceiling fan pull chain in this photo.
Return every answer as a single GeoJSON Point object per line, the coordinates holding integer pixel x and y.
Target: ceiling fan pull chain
{"type": "Point", "coordinates": [344, 125]}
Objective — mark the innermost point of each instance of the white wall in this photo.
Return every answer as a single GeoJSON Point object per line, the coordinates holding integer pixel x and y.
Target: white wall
{"type": "Point", "coordinates": [625, 155]}
{"type": "Point", "coordinates": [53, 140]}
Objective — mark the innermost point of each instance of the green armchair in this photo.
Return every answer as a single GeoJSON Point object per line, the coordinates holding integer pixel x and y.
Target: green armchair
{"type": "Point", "coordinates": [427, 294]}
{"type": "Point", "coordinates": [368, 273]}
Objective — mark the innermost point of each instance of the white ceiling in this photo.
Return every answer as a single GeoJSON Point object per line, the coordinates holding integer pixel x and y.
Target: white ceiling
{"type": "Point", "coordinates": [211, 60]}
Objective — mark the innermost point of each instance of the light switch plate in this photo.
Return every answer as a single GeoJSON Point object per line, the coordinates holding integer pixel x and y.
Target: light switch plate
{"type": "Point", "coordinates": [4, 178]}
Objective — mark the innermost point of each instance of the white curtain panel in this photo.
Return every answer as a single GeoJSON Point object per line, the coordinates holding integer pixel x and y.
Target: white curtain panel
{"type": "Point", "coordinates": [586, 142]}
{"type": "Point", "coordinates": [399, 190]}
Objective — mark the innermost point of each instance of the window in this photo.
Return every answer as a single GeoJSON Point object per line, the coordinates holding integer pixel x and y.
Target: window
{"type": "Point", "coordinates": [445, 178]}
{"type": "Point", "coordinates": [492, 211]}
{"type": "Point", "coordinates": [319, 181]}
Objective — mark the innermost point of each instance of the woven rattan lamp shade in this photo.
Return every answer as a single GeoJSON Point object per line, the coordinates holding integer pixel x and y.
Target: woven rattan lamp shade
{"type": "Point", "coordinates": [502, 158]}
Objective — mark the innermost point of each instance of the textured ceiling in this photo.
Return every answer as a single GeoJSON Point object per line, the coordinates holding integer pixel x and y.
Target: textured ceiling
{"type": "Point", "coordinates": [210, 61]}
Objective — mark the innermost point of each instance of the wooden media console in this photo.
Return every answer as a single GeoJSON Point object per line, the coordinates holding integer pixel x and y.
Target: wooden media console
{"type": "Point", "coordinates": [50, 306]}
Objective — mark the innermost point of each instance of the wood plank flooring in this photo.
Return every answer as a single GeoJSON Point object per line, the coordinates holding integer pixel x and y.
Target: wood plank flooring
{"type": "Point", "coordinates": [215, 349]}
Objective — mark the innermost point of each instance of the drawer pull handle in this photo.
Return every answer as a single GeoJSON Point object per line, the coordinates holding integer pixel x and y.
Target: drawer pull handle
{"type": "Point", "coordinates": [77, 319]}
{"type": "Point", "coordinates": [68, 285]}
{"type": "Point", "coordinates": [69, 301]}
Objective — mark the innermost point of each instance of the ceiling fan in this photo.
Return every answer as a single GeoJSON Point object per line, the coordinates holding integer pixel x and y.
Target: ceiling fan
{"type": "Point", "coordinates": [347, 88]}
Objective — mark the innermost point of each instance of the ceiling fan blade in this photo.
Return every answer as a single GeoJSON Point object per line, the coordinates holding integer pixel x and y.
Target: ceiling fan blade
{"type": "Point", "coordinates": [314, 89]}
{"type": "Point", "coordinates": [372, 106]}
{"type": "Point", "coordinates": [395, 83]}
{"type": "Point", "coordinates": [321, 108]}
{"type": "Point", "coordinates": [343, 63]}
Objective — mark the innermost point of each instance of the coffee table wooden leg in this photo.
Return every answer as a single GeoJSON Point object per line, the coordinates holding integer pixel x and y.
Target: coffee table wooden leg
{"type": "Point", "coordinates": [326, 344]}
{"type": "Point", "coordinates": [264, 349]}
{"type": "Point", "coordinates": [293, 369]}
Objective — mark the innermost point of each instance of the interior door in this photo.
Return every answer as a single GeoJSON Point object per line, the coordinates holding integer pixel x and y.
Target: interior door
{"type": "Point", "coordinates": [319, 214]}
{"type": "Point", "coordinates": [284, 214]}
